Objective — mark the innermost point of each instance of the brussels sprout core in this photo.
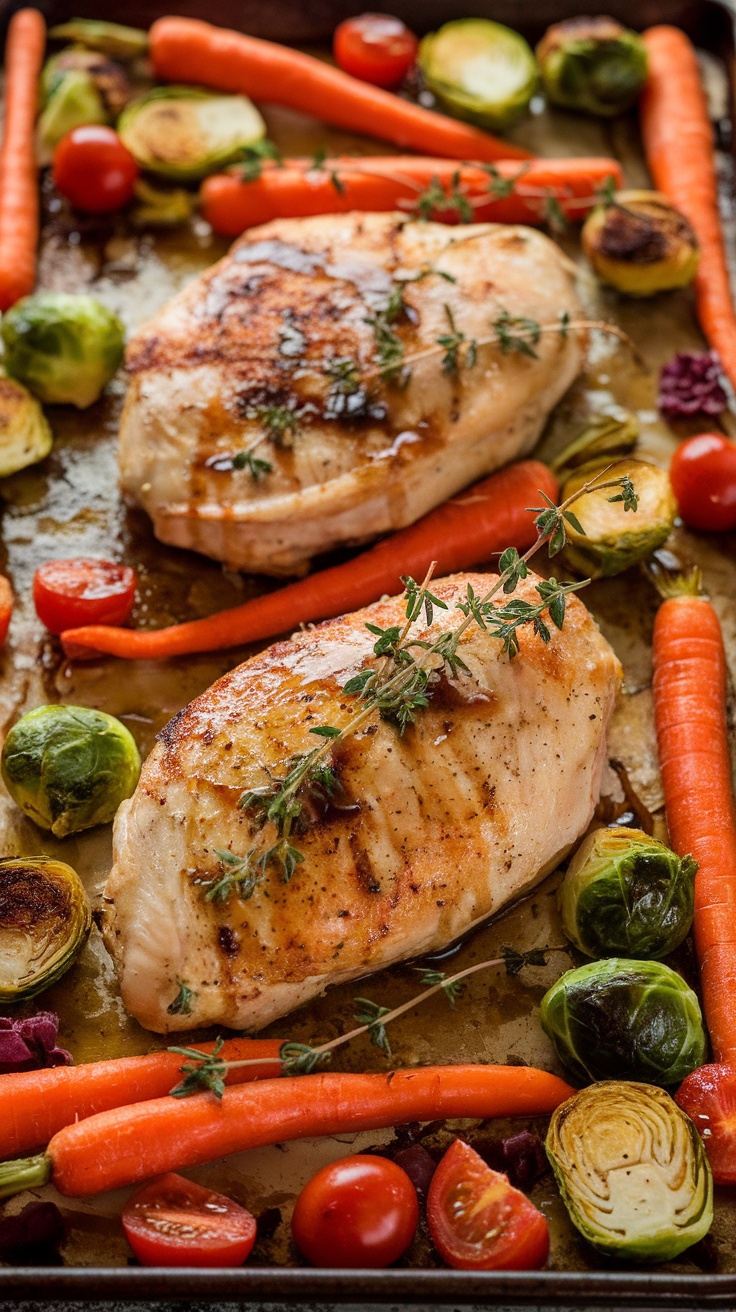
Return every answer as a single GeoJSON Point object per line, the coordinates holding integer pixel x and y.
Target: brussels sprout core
{"type": "Point", "coordinates": [632, 1171]}
{"type": "Point", "coordinates": [635, 1020]}
{"type": "Point", "coordinates": [613, 537]}
{"type": "Point", "coordinates": [69, 767]}
{"type": "Point", "coordinates": [625, 894]}
{"type": "Point", "coordinates": [592, 64]}
{"type": "Point", "coordinates": [44, 921]}
{"type": "Point", "coordinates": [479, 70]}
{"type": "Point", "coordinates": [64, 347]}
{"type": "Point", "coordinates": [640, 244]}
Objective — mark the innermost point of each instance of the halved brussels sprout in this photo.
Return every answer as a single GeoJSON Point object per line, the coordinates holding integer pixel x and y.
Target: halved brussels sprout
{"type": "Point", "coordinates": [625, 894]}
{"type": "Point", "coordinates": [64, 347]}
{"type": "Point", "coordinates": [592, 64]}
{"type": "Point", "coordinates": [623, 1019]}
{"type": "Point", "coordinates": [45, 918]}
{"type": "Point", "coordinates": [69, 767]}
{"type": "Point", "coordinates": [74, 103]}
{"type": "Point", "coordinates": [109, 79]}
{"type": "Point", "coordinates": [159, 208]}
{"type": "Point", "coordinates": [604, 437]}
{"type": "Point", "coordinates": [632, 1171]}
{"type": "Point", "coordinates": [112, 39]}
{"type": "Point", "coordinates": [479, 70]}
{"type": "Point", "coordinates": [614, 538]}
{"type": "Point", "coordinates": [25, 436]}
{"type": "Point", "coordinates": [185, 133]}
{"type": "Point", "coordinates": [640, 244]}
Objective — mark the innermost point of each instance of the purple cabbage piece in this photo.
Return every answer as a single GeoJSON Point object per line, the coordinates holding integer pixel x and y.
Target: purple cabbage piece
{"type": "Point", "coordinates": [691, 384]}
{"type": "Point", "coordinates": [419, 1166]}
{"type": "Point", "coordinates": [31, 1044]}
{"type": "Point", "coordinates": [521, 1157]}
{"type": "Point", "coordinates": [30, 1234]}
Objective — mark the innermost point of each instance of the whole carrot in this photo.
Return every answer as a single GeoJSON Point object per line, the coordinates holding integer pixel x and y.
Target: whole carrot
{"type": "Point", "coordinates": [34, 1105]}
{"type": "Point", "coordinates": [497, 509]}
{"type": "Point", "coordinates": [187, 50]}
{"type": "Point", "coordinates": [132, 1143]}
{"type": "Point", "coordinates": [19, 204]}
{"type": "Point", "coordinates": [690, 710]}
{"type": "Point", "coordinates": [231, 205]}
{"type": "Point", "coordinates": [678, 141]}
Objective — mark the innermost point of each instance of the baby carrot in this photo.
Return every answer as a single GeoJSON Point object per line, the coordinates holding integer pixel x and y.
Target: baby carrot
{"type": "Point", "coordinates": [188, 50]}
{"type": "Point", "coordinates": [18, 172]}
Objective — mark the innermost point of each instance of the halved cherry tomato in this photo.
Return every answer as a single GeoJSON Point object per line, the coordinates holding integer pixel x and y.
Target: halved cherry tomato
{"type": "Point", "coordinates": [709, 1098]}
{"type": "Point", "coordinates": [69, 593]}
{"type": "Point", "coordinates": [703, 477]}
{"type": "Point", "coordinates": [94, 170]}
{"type": "Point", "coordinates": [360, 1211]}
{"type": "Point", "coordinates": [478, 1221]}
{"type": "Point", "coordinates": [6, 608]}
{"type": "Point", "coordinates": [376, 48]}
{"type": "Point", "coordinates": [173, 1222]}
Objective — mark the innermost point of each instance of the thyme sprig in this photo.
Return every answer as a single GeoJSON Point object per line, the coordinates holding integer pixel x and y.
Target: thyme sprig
{"type": "Point", "coordinates": [207, 1071]}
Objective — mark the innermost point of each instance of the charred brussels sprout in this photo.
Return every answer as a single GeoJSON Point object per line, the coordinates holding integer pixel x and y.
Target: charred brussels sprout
{"type": "Point", "coordinates": [640, 244]}
{"type": "Point", "coordinates": [625, 894]}
{"type": "Point", "coordinates": [184, 133]}
{"type": "Point", "coordinates": [74, 102]}
{"type": "Point", "coordinates": [622, 1019]}
{"type": "Point", "coordinates": [112, 39]}
{"type": "Point", "coordinates": [604, 437]}
{"type": "Point", "coordinates": [614, 538]}
{"type": "Point", "coordinates": [69, 767]}
{"type": "Point", "coordinates": [64, 347]}
{"type": "Point", "coordinates": [479, 70]}
{"type": "Point", "coordinates": [110, 80]}
{"type": "Point", "coordinates": [44, 922]}
{"type": "Point", "coordinates": [632, 1171]}
{"type": "Point", "coordinates": [592, 64]}
{"type": "Point", "coordinates": [25, 436]}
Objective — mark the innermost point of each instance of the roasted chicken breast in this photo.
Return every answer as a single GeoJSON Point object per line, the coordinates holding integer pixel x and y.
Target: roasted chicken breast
{"type": "Point", "coordinates": [314, 352]}
{"type": "Point", "coordinates": [428, 834]}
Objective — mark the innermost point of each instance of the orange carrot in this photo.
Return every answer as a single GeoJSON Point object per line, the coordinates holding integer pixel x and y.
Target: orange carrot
{"type": "Point", "coordinates": [132, 1143]}
{"type": "Point", "coordinates": [500, 518]}
{"type": "Point", "coordinates": [34, 1105]}
{"type": "Point", "coordinates": [396, 182]}
{"type": "Point", "coordinates": [690, 709]}
{"type": "Point", "coordinates": [187, 50]}
{"type": "Point", "coordinates": [6, 608]}
{"type": "Point", "coordinates": [678, 140]}
{"type": "Point", "coordinates": [18, 173]}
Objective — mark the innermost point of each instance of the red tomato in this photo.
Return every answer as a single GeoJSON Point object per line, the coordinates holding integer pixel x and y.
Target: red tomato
{"type": "Point", "coordinates": [6, 608]}
{"type": "Point", "coordinates": [709, 1098]}
{"type": "Point", "coordinates": [376, 48]}
{"type": "Point", "coordinates": [478, 1221]}
{"type": "Point", "coordinates": [69, 593]}
{"type": "Point", "coordinates": [360, 1211]}
{"type": "Point", "coordinates": [703, 476]}
{"type": "Point", "coordinates": [172, 1222]}
{"type": "Point", "coordinates": [94, 170]}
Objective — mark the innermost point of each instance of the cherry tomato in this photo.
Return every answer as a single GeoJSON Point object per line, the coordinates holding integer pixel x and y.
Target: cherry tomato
{"type": "Point", "coordinates": [709, 1098]}
{"type": "Point", "coordinates": [172, 1222]}
{"type": "Point", "coordinates": [478, 1221]}
{"type": "Point", "coordinates": [69, 593]}
{"type": "Point", "coordinates": [703, 476]}
{"type": "Point", "coordinates": [376, 48]}
{"type": "Point", "coordinates": [6, 608]}
{"type": "Point", "coordinates": [94, 170]}
{"type": "Point", "coordinates": [360, 1211]}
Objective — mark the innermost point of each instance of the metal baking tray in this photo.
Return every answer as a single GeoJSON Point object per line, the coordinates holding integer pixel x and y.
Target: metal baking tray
{"type": "Point", "coordinates": [71, 506]}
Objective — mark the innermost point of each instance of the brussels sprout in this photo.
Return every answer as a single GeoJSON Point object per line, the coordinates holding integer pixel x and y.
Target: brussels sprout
{"type": "Point", "coordinates": [479, 70]}
{"type": "Point", "coordinates": [159, 208]}
{"type": "Point", "coordinates": [109, 79]}
{"type": "Point", "coordinates": [25, 436]}
{"type": "Point", "coordinates": [112, 39]}
{"type": "Point", "coordinates": [614, 538]}
{"type": "Point", "coordinates": [632, 1171]}
{"type": "Point", "coordinates": [592, 64]}
{"type": "Point", "coordinates": [185, 133]}
{"type": "Point", "coordinates": [44, 922]}
{"type": "Point", "coordinates": [605, 437]}
{"type": "Point", "coordinates": [69, 767]}
{"type": "Point", "coordinates": [64, 347]}
{"type": "Point", "coordinates": [625, 894]}
{"type": "Point", "coordinates": [632, 1020]}
{"type": "Point", "coordinates": [74, 103]}
{"type": "Point", "coordinates": [640, 244]}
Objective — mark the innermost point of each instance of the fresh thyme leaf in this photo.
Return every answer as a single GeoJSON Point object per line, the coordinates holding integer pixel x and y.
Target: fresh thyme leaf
{"type": "Point", "coordinates": [418, 598]}
{"type": "Point", "coordinates": [513, 567]}
{"type": "Point", "coordinates": [345, 374]}
{"type": "Point", "coordinates": [325, 731]}
{"type": "Point", "coordinates": [432, 978]}
{"type": "Point", "coordinates": [370, 1014]}
{"type": "Point", "coordinates": [204, 1071]}
{"type": "Point", "coordinates": [240, 874]}
{"type": "Point", "coordinates": [568, 516]}
{"type": "Point", "coordinates": [564, 324]}
{"type": "Point", "coordinates": [301, 1058]}
{"type": "Point", "coordinates": [553, 214]}
{"type": "Point", "coordinates": [515, 961]}
{"type": "Point", "coordinates": [452, 342]}
{"type": "Point", "coordinates": [250, 166]}
{"type": "Point", "coordinates": [256, 465]}
{"type": "Point", "coordinates": [389, 349]}
{"type": "Point", "coordinates": [182, 1004]}
{"type": "Point", "coordinates": [606, 193]}
{"type": "Point", "coordinates": [517, 334]}
{"type": "Point", "coordinates": [436, 200]}
{"type": "Point", "coordinates": [627, 495]}
{"type": "Point", "coordinates": [357, 682]}
{"type": "Point", "coordinates": [278, 421]}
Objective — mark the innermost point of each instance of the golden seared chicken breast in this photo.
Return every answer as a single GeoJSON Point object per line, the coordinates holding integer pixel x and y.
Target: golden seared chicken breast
{"type": "Point", "coordinates": [419, 837]}
{"type": "Point", "coordinates": [334, 378]}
